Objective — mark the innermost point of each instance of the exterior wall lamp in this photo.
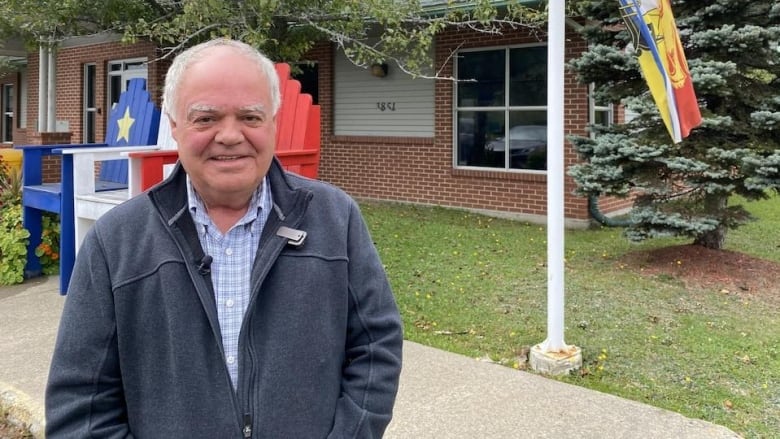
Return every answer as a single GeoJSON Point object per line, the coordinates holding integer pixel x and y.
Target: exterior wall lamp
{"type": "Point", "coordinates": [378, 69]}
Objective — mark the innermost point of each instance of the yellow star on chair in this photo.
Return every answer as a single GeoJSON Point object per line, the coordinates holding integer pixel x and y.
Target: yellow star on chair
{"type": "Point", "coordinates": [124, 126]}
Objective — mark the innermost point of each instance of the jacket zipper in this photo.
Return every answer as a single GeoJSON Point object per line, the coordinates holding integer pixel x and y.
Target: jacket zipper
{"type": "Point", "coordinates": [247, 426]}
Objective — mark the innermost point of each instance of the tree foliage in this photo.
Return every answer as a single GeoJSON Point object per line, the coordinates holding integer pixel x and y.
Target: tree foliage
{"type": "Point", "coordinates": [36, 21]}
{"type": "Point", "coordinates": [368, 31]}
{"type": "Point", "coordinates": [684, 189]}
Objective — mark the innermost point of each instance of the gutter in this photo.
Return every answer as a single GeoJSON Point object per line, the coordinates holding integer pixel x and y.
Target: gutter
{"type": "Point", "coordinates": [438, 7]}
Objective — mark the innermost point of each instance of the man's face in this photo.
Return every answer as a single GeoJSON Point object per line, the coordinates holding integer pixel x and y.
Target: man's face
{"type": "Point", "coordinates": [224, 126]}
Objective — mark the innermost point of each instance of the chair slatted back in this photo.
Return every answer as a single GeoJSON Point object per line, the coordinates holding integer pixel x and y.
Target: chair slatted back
{"type": "Point", "coordinates": [134, 120]}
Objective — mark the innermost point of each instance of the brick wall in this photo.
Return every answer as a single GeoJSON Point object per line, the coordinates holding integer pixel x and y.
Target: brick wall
{"type": "Point", "coordinates": [421, 170]}
{"type": "Point", "coordinates": [70, 80]}
{"type": "Point", "coordinates": [401, 169]}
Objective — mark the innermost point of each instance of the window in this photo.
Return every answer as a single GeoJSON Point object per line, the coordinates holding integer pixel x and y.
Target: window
{"type": "Point", "coordinates": [120, 73]}
{"type": "Point", "coordinates": [90, 103]}
{"type": "Point", "coordinates": [601, 113]}
{"type": "Point", "coordinates": [309, 78]}
{"type": "Point", "coordinates": [7, 131]}
{"type": "Point", "coordinates": [501, 109]}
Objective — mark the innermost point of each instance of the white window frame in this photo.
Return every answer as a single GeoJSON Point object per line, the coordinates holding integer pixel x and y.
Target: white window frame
{"type": "Point", "coordinates": [90, 109]}
{"type": "Point", "coordinates": [126, 69]}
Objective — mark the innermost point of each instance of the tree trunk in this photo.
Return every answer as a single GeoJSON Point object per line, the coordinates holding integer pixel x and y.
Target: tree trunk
{"type": "Point", "coordinates": [713, 239]}
{"type": "Point", "coordinates": [715, 206]}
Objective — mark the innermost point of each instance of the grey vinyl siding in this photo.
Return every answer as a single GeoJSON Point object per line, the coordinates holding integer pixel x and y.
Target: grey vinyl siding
{"type": "Point", "coordinates": [358, 97]}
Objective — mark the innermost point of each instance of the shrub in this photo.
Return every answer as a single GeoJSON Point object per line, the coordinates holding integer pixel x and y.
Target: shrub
{"type": "Point", "coordinates": [13, 244]}
{"type": "Point", "coordinates": [14, 238]}
{"type": "Point", "coordinates": [10, 185]}
{"type": "Point", "coordinates": [48, 251]}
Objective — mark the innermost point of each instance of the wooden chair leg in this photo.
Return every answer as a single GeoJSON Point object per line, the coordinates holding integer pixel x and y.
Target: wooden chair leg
{"type": "Point", "coordinates": [33, 222]}
{"type": "Point", "coordinates": [67, 226]}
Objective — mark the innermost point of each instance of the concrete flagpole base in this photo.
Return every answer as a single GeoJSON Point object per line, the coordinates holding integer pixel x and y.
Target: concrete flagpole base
{"type": "Point", "coordinates": [555, 363]}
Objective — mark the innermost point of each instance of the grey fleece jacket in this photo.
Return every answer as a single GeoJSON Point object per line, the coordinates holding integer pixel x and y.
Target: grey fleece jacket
{"type": "Point", "coordinates": [139, 351]}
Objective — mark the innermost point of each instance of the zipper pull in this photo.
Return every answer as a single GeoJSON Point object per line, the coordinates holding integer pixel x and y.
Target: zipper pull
{"type": "Point", "coordinates": [247, 426]}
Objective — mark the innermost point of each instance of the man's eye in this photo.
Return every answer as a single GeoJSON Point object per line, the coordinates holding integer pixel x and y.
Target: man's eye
{"type": "Point", "coordinates": [254, 118]}
{"type": "Point", "coordinates": [203, 120]}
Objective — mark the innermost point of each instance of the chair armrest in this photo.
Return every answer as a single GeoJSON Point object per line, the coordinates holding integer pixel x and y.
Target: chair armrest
{"type": "Point", "coordinates": [108, 152]}
{"type": "Point", "coordinates": [84, 164]}
{"type": "Point", "coordinates": [61, 146]}
{"type": "Point", "coordinates": [32, 159]}
{"type": "Point", "coordinates": [156, 153]}
{"type": "Point", "coordinates": [146, 168]}
{"type": "Point", "coordinates": [298, 157]}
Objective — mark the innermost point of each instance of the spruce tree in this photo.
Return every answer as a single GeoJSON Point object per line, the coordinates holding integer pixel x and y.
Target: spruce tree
{"type": "Point", "coordinates": [687, 189]}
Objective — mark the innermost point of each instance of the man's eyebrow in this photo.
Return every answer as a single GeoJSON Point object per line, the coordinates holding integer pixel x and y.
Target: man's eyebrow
{"type": "Point", "coordinates": [255, 108]}
{"type": "Point", "coordinates": [200, 108]}
{"type": "Point", "coordinates": [205, 108]}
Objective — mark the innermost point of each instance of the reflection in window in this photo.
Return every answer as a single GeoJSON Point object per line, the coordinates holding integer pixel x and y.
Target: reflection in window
{"type": "Point", "coordinates": [482, 76]}
{"type": "Point", "coordinates": [528, 76]}
{"type": "Point", "coordinates": [502, 109]}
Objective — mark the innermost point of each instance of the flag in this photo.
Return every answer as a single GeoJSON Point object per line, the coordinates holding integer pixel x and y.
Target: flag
{"type": "Point", "coordinates": [662, 61]}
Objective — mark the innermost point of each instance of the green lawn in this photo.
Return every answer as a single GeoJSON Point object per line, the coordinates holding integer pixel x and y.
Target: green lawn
{"type": "Point", "coordinates": [476, 285]}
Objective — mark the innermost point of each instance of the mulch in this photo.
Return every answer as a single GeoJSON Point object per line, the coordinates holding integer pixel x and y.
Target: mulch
{"type": "Point", "coordinates": [723, 271]}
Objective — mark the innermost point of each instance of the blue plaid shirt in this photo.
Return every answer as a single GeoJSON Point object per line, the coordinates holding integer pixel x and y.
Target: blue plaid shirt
{"type": "Point", "coordinates": [234, 256]}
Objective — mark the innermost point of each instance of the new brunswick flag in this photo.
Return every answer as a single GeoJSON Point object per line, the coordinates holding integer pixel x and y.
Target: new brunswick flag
{"type": "Point", "coordinates": [661, 58]}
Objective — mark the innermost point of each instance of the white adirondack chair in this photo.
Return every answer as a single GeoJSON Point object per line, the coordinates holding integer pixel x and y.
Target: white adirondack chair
{"type": "Point", "coordinates": [89, 204]}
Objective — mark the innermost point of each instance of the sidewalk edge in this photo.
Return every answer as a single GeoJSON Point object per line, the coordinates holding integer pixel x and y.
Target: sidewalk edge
{"type": "Point", "coordinates": [23, 410]}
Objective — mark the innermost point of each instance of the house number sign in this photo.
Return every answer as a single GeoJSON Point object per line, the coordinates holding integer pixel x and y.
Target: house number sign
{"type": "Point", "coordinates": [385, 106]}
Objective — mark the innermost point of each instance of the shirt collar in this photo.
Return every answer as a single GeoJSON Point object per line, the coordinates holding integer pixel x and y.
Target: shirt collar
{"type": "Point", "coordinates": [261, 199]}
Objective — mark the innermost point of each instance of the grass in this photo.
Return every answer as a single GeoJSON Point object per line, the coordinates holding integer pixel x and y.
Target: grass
{"type": "Point", "coordinates": [477, 285]}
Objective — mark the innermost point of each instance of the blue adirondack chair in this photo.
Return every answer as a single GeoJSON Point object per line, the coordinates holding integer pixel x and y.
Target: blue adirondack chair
{"type": "Point", "coordinates": [133, 121]}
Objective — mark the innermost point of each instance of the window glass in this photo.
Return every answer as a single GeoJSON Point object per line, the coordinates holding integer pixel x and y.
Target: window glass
{"type": "Point", "coordinates": [477, 130]}
{"type": "Point", "coordinates": [90, 103]}
{"type": "Point", "coordinates": [481, 76]}
{"type": "Point", "coordinates": [114, 90]}
{"type": "Point", "coordinates": [8, 98]}
{"type": "Point", "coordinates": [119, 75]}
{"type": "Point", "coordinates": [8, 113]}
{"type": "Point", "coordinates": [528, 140]}
{"type": "Point", "coordinates": [309, 77]}
{"type": "Point", "coordinates": [602, 116]}
{"type": "Point", "coordinates": [528, 76]}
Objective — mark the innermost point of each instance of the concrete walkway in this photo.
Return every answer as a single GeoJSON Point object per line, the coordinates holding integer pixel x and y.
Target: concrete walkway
{"type": "Point", "coordinates": [442, 395]}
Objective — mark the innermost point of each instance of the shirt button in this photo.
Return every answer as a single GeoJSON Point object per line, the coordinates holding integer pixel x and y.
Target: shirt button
{"type": "Point", "coordinates": [229, 303]}
{"type": "Point", "coordinates": [229, 251]}
{"type": "Point", "coordinates": [231, 359]}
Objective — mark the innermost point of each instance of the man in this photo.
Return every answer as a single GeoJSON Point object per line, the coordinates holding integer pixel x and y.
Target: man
{"type": "Point", "coordinates": [201, 310]}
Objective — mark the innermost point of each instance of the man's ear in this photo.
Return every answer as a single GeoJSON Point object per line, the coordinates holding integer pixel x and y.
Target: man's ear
{"type": "Point", "coordinates": [173, 125]}
{"type": "Point", "coordinates": [171, 122]}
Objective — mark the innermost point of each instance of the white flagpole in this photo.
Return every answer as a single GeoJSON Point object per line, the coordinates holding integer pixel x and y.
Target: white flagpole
{"type": "Point", "coordinates": [556, 46]}
{"type": "Point", "coordinates": [553, 355]}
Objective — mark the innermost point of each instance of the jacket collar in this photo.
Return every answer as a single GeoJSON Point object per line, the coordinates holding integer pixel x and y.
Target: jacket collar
{"type": "Point", "coordinates": [290, 201]}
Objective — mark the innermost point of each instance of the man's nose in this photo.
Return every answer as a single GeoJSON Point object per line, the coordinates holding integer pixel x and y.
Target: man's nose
{"type": "Point", "coordinates": [229, 132]}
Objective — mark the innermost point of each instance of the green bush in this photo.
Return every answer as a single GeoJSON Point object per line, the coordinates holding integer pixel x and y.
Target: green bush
{"type": "Point", "coordinates": [10, 185]}
{"type": "Point", "coordinates": [13, 244]}
{"type": "Point", "coordinates": [48, 251]}
{"type": "Point", "coordinates": [14, 238]}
